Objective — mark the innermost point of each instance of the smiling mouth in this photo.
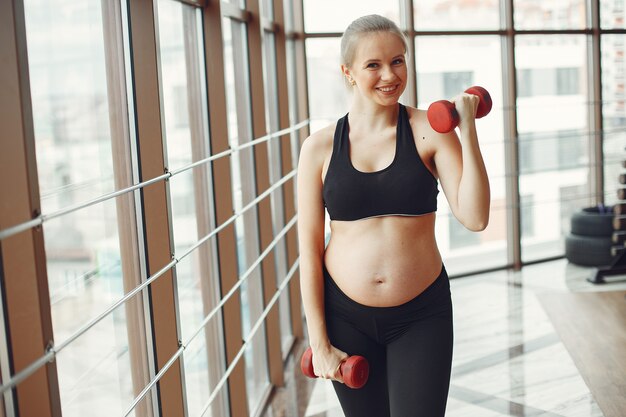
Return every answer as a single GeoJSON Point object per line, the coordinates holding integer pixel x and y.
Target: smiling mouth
{"type": "Point", "coordinates": [388, 89]}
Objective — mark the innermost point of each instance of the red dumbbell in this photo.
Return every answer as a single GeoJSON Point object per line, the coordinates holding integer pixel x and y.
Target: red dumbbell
{"type": "Point", "coordinates": [442, 114]}
{"type": "Point", "coordinates": [354, 369]}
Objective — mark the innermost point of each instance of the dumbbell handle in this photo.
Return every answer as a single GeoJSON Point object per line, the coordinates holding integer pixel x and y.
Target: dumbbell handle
{"type": "Point", "coordinates": [354, 369]}
{"type": "Point", "coordinates": [442, 114]}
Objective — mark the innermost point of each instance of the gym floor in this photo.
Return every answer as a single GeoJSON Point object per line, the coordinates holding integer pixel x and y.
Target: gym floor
{"type": "Point", "coordinates": [508, 357]}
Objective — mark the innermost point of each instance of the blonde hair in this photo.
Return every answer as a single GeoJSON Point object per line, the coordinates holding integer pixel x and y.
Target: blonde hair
{"type": "Point", "coordinates": [362, 26]}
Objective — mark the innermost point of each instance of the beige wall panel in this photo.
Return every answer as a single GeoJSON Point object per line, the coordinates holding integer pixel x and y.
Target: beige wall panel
{"type": "Point", "coordinates": [154, 202]}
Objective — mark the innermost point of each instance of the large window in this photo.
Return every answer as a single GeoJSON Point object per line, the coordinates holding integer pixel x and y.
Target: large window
{"type": "Point", "coordinates": [143, 117]}
{"type": "Point", "coordinates": [553, 132]}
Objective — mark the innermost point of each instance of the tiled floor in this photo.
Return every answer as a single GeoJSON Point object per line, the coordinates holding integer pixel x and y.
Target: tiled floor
{"type": "Point", "coordinates": [508, 359]}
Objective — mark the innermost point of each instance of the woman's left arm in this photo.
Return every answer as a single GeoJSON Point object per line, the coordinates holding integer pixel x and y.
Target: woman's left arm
{"type": "Point", "coordinates": [461, 169]}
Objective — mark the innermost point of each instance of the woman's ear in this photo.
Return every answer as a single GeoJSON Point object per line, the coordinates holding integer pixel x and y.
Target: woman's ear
{"type": "Point", "coordinates": [345, 70]}
{"type": "Point", "coordinates": [346, 73]}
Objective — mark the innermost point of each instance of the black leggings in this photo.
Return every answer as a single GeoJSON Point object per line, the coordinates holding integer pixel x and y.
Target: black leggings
{"type": "Point", "coordinates": [408, 347]}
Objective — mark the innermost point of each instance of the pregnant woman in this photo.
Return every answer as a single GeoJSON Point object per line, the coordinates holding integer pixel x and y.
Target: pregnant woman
{"type": "Point", "coordinates": [380, 289]}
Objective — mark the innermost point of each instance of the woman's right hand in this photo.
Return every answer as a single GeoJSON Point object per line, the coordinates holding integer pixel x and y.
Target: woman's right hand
{"type": "Point", "coordinates": [327, 361]}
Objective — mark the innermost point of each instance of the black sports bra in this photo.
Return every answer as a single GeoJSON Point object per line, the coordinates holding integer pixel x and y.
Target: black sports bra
{"type": "Point", "coordinates": [404, 188]}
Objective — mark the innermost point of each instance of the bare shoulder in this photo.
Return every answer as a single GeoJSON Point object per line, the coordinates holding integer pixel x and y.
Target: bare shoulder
{"type": "Point", "coordinates": [318, 146]}
{"type": "Point", "coordinates": [419, 123]}
{"type": "Point", "coordinates": [415, 115]}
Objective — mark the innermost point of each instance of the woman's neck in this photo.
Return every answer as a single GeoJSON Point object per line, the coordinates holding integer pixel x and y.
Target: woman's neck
{"type": "Point", "coordinates": [373, 116]}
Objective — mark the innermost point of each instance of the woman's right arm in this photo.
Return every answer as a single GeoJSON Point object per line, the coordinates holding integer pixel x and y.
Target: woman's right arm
{"type": "Point", "coordinates": [326, 358]}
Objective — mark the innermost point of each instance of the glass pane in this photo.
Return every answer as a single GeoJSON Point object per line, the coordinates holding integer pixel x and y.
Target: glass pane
{"type": "Point", "coordinates": [614, 111]}
{"type": "Point", "coordinates": [195, 297]}
{"type": "Point", "coordinates": [92, 254]}
{"type": "Point", "coordinates": [289, 17]}
{"type": "Point", "coordinates": [267, 9]}
{"type": "Point", "coordinates": [70, 101]}
{"type": "Point", "coordinates": [549, 14]}
{"type": "Point", "coordinates": [86, 276]}
{"type": "Point", "coordinates": [453, 15]}
{"type": "Point", "coordinates": [196, 377]}
{"type": "Point", "coordinates": [240, 3]}
{"type": "Point", "coordinates": [335, 16]}
{"type": "Point", "coordinates": [552, 121]}
{"type": "Point", "coordinates": [269, 77]}
{"type": "Point", "coordinates": [294, 108]}
{"type": "Point", "coordinates": [612, 14]}
{"type": "Point", "coordinates": [244, 191]}
{"type": "Point", "coordinates": [329, 96]}
{"type": "Point", "coordinates": [471, 60]}
{"type": "Point", "coordinates": [175, 86]}
{"type": "Point", "coordinates": [186, 139]}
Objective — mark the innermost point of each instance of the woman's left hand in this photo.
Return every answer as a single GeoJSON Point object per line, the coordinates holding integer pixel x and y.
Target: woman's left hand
{"type": "Point", "coordinates": [466, 105]}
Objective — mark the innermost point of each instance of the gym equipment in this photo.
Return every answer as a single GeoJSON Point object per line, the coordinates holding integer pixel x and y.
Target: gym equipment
{"type": "Point", "coordinates": [589, 242]}
{"type": "Point", "coordinates": [589, 250]}
{"type": "Point", "coordinates": [619, 208]}
{"type": "Point", "coordinates": [618, 249]}
{"type": "Point", "coordinates": [594, 221]}
{"type": "Point", "coordinates": [354, 369]}
{"type": "Point", "coordinates": [619, 237]}
{"type": "Point", "coordinates": [442, 114]}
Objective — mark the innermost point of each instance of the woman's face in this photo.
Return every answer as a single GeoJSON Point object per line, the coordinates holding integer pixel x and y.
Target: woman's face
{"type": "Point", "coordinates": [379, 68]}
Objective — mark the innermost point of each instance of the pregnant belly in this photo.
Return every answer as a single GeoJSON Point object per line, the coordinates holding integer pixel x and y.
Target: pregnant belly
{"type": "Point", "coordinates": [382, 270]}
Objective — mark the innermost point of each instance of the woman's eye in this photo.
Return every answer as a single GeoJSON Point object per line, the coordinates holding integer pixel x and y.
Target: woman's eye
{"type": "Point", "coordinates": [372, 65]}
{"type": "Point", "coordinates": [398, 61]}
